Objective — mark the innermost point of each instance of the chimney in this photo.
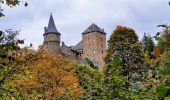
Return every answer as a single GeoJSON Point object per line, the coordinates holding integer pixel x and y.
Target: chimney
{"type": "Point", "coordinates": [63, 44]}
{"type": "Point", "coordinates": [45, 29]}
{"type": "Point", "coordinates": [103, 29]}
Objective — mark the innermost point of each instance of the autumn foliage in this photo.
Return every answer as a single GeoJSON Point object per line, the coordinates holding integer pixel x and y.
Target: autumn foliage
{"type": "Point", "coordinates": [130, 73]}
{"type": "Point", "coordinates": [44, 76]}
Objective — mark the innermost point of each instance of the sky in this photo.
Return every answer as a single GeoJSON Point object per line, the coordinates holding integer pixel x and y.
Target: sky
{"type": "Point", "coordinates": [72, 17]}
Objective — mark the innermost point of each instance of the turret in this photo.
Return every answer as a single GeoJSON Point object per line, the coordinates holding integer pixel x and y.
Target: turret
{"type": "Point", "coordinates": [51, 37]}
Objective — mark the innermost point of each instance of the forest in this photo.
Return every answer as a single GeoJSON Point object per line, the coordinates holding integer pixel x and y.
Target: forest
{"type": "Point", "coordinates": [133, 70]}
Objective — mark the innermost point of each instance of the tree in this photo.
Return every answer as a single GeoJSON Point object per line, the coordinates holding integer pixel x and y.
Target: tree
{"type": "Point", "coordinates": [11, 3]}
{"type": "Point", "coordinates": [148, 45]}
{"type": "Point", "coordinates": [163, 89]}
{"type": "Point", "coordinates": [91, 81]}
{"type": "Point", "coordinates": [43, 76]}
{"type": "Point", "coordinates": [163, 38]}
{"type": "Point", "coordinates": [91, 64]}
{"type": "Point", "coordinates": [114, 81]}
{"type": "Point", "coordinates": [8, 49]}
{"type": "Point", "coordinates": [124, 44]}
{"type": "Point", "coordinates": [116, 84]}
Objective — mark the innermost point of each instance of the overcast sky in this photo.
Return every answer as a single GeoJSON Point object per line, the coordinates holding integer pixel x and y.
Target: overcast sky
{"type": "Point", "coordinates": [72, 17]}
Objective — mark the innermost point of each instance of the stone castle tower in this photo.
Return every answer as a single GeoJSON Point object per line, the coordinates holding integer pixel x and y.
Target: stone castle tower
{"type": "Point", "coordinates": [92, 45]}
{"type": "Point", "coordinates": [51, 37]}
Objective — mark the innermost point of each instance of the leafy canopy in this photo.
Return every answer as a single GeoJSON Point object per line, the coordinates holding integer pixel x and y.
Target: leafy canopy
{"type": "Point", "coordinates": [43, 76]}
{"type": "Point", "coordinates": [10, 3]}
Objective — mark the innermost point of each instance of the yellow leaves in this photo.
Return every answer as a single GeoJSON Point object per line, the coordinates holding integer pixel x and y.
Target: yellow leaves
{"type": "Point", "coordinates": [122, 27]}
{"type": "Point", "coordinates": [167, 98]}
{"type": "Point", "coordinates": [157, 52]}
{"type": "Point", "coordinates": [49, 76]}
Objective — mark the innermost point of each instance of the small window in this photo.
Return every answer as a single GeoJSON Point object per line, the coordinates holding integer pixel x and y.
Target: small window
{"type": "Point", "coordinates": [94, 51]}
{"type": "Point", "coordinates": [89, 45]}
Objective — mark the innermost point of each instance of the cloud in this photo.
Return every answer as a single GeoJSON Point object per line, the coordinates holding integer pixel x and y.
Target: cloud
{"type": "Point", "coordinates": [72, 17]}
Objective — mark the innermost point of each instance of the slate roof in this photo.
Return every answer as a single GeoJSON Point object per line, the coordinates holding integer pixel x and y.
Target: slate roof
{"type": "Point", "coordinates": [79, 46]}
{"type": "Point", "coordinates": [51, 26]}
{"type": "Point", "coordinates": [92, 28]}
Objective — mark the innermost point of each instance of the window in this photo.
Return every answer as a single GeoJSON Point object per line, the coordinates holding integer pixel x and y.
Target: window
{"type": "Point", "coordinates": [89, 37]}
{"type": "Point", "coordinates": [89, 45]}
{"type": "Point", "coordinates": [94, 51]}
{"type": "Point", "coordinates": [89, 34]}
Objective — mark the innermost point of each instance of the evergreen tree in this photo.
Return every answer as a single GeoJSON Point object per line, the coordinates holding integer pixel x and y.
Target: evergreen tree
{"type": "Point", "coordinates": [148, 45]}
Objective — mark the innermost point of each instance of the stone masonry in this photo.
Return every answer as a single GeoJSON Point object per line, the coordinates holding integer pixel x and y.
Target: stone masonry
{"type": "Point", "coordinates": [92, 45]}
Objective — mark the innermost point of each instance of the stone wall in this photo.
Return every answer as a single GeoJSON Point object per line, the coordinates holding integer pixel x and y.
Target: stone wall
{"type": "Point", "coordinates": [52, 43]}
{"type": "Point", "coordinates": [52, 47]}
{"type": "Point", "coordinates": [67, 51]}
{"type": "Point", "coordinates": [51, 37]}
{"type": "Point", "coordinates": [94, 47]}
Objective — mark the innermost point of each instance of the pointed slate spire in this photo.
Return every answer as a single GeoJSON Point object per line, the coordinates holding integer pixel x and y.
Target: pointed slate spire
{"type": "Point", "coordinates": [93, 27]}
{"type": "Point", "coordinates": [51, 26]}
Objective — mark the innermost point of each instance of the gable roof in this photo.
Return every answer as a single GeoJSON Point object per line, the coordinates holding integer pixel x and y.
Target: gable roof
{"type": "Point", "coordinates": [92, 28]}
{"type": "Point", "coordinates": [78, 46]}
{"type": "Point", "coordinates": [51, 26]}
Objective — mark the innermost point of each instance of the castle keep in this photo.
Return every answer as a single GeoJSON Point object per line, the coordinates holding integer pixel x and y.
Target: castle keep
{"type": "Point", "coordinates": [92, 45]}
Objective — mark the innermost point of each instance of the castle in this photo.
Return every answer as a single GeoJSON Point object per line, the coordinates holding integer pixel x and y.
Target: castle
{"type": "Point", "coordinates": [92, 45]}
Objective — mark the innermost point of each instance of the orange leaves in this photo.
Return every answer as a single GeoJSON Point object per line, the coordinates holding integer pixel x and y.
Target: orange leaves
{"type": "Point", "coordinates": [49, 77]}
{"type": "Point", "coordinates": [119, 27]}
{"type": "Point", "coordinates": [157, 52]}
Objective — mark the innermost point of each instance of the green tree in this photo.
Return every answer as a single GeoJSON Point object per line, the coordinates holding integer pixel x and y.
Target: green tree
{"type": "Point", "coordinates": [163, 89]}
{"type": "Point", "coordinates": [9, 61]}
{"type": "Point", "coordinates": [8, 49]}
{"type": "Point", "coordinates": [92, 82]}
{"type": "Point", "coordinates": [91, 64]}
{"type": "Point", "coordinates": [116, 84]}
{"type": "Point", "coordinates": [115, 81]}
{"type": "Point", "coordinates": [124, 44]}
{"type": "Point", "coordinates": [148, 45]}
{"type": "Point", "coordinates": [163, 38]}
